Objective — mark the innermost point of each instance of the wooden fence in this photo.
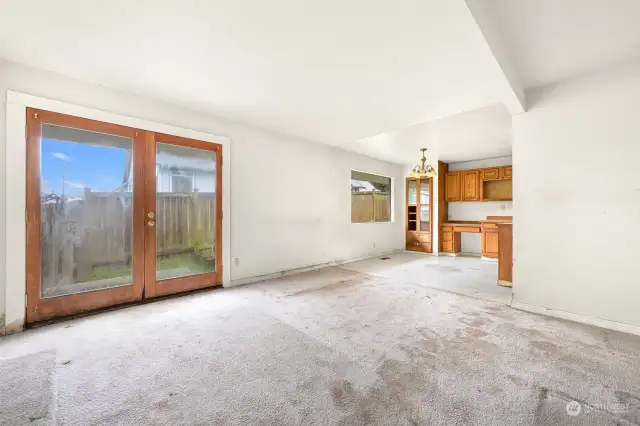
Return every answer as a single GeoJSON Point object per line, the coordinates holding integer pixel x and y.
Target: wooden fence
{"type": "Point", "coordinates": [370, 207]}
{"type": "Point", "coordinates": [97, 230]}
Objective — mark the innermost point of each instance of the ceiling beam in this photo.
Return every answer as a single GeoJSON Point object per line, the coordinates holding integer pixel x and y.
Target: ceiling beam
{"type": "Point", "coordinates": [514, 96]}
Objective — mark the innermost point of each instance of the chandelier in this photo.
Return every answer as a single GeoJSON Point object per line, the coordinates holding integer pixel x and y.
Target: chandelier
{"type": "Point", "coordinates": [422, 170]}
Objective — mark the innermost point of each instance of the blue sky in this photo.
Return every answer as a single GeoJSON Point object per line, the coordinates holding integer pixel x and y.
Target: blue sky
{"type": "Point", "coordinates": [100, 168]}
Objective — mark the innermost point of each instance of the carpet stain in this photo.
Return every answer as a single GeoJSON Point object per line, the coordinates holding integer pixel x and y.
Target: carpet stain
{"type": "Point", "coordinates": [386, 398]}
{"type": "Point", "coordinates": [342, 393]}
{"type": "Point", "coordinates": [327, 288]}
{"type": "Point", "coordinates": [546, 346]}
{"type": "Point", "coordinates": [630, 409]}
{"type": "Point", "coordinates": [475, 322]}
{"type": "Point", "coordinates": [35, 419]}
{"type": "Point", "coordinates": [443, 268]}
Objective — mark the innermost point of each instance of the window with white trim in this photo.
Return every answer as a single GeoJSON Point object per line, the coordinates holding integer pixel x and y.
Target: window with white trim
{"type": "Point", "coordinates": [370, 197]}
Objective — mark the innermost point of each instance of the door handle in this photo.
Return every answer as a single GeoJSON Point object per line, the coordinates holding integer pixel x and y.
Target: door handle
{"type": "Point", "coordinates": [151, 215]}
{"type": "Point", "coordinates": [151, 223]}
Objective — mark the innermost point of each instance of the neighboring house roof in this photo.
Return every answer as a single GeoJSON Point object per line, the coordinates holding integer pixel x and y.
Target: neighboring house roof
{"type": "Point", "coordinates": [362, 186]}
{"type": "Point", "coordinates": [164, 159]}
{"type": "Point", "coordinates": [167, 160]}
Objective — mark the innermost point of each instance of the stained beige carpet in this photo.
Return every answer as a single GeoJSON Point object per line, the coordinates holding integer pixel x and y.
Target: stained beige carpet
{"type": "Point", "coordinates": [331, 347]}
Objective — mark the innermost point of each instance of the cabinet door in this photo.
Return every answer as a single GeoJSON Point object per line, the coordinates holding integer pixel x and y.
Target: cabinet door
{"type": "Point", "coordinates": [490, 244]}
{"type": "Point", "coordinates": [471, 187]}
{"type": "Point", "coordinates": [452, 187]}
{"type": "Point", "coordinates": [425, 203]}
{"type": "Point", "coordinates": [448, 247]}
{"type": "Point", "coordinates": [506, 172]}
{"type": "Point", "coordinates": [490, 174]}
{"type": "Point", "coordinates": [412, 192]}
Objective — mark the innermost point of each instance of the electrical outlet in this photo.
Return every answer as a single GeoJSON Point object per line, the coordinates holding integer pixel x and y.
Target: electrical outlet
{"type": "Point", "coordinates": [236, 261]}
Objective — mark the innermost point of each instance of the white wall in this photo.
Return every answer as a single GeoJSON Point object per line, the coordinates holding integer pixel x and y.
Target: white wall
{"type": "Point", "coordinates": [472, 243]}
{"type": "Point", "coordinates": [290, 198]}
{"type": "Point", "coordinates": [576, 156]}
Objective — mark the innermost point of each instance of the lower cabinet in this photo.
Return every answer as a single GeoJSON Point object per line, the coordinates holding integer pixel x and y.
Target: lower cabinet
{"type": "Point", "coordinates": [450, 240]}
{"type": "Point", "coordinates": [490, 241]}
{"type": "Point", "coordinates": [419, 241]}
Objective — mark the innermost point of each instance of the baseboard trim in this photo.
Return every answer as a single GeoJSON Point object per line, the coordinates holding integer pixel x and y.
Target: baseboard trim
{"type": "Point", "coordinates": [257, 278]}
{"type": "Point", "coordinates": [419, 253]}
{"type": "Point", "coordinates": [598, 322]}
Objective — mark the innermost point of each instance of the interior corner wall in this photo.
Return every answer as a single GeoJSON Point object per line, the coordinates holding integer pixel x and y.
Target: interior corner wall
{"type": "Point", "coordinates": [290, 198]}
{"type": "Point", "coordinates": [576, 155]}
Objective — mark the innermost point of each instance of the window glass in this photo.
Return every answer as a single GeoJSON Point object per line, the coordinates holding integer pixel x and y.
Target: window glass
{"type": "Point", "coordinates": [370, 198]}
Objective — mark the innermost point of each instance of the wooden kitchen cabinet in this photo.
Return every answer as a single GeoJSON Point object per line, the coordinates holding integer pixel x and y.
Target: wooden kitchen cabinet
{"type": "Point", "coordinates": [419, 213]}
{"type": "Point", "coordinates": [505, 254]}
{"type": "Point", "coordinates": [451, 241]}
{"type": "Point", "coordinates": [471, 185]}
{"type": "Point", "coordinates": [490, 174]}
{"type": "Point", "coordinates": [453, 186]}
{"type": "Point", "coordinates": [490, 242]}
{"type": "Point", "coordinates": [488, 184]}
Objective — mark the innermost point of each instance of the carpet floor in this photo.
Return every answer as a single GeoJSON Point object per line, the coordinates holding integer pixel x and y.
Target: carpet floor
{"type": "Point", "coordinates": [329, 347]}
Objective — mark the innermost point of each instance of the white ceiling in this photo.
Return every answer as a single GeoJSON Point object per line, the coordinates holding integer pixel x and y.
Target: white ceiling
{"type": "Point", "coordinates": [357, 73]}
{"type": "Point", "coordinates": [331, 71]}
{"type": "Point", "coordinates": [472, 135]}
{"type": "Point", "coordinates": [552, 40]}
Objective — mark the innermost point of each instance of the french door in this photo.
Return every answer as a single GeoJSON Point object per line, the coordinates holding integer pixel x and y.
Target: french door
{"type": "Point", "coordinates": [116, 215]}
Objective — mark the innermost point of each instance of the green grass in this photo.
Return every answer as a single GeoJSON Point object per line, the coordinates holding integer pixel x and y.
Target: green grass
{"type": "Point", "coordinates": [183, 261]}
{"type": "Point", "coordinates": [111, 271]}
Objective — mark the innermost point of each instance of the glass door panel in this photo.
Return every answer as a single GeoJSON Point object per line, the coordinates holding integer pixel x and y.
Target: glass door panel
{"type": "Point", "coordinates": [412, 192]}
{"type": "Point", "coordinates": [185, 211]}
{"type": "Point", "coordinates": [86, 211]}
{"type": "Point", "coordinates": [425, 205]}
{"type": "Point", "coordinates": [184, 223]}
{"type": "Point", "coordinates": [82, 231]}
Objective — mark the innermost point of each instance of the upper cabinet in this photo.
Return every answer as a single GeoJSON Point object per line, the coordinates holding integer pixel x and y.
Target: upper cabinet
{"type": "Point", "coordinates": [471, 185]}
{"type": "Point", "coordinates": [489, 184]}
{"type": "Point", "coordinates": [453, 186]}
{"type": "Point", "coordinates": [505, 172]}
{"type": "Point", "coordinates": [490, 174]}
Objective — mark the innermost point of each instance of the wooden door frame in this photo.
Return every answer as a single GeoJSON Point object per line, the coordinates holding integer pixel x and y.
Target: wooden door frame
{"type": "Point", "coordinates": [430, 205]}
{"type": "Point", "coordinates": [406, 204]}
{"type": "Point", "coordinates": [37, 308]}
{"type": "Point", "coordinates": [144, 198]}
{"type": "Point", "coordinates": [155, 288]}
{"type": "Point", "coordinates": [16, 106]}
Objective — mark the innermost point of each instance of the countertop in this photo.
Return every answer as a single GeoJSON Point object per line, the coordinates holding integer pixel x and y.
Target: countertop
{"type": "Point", "coordinates": [462, 222]}
{"type": "Point", "coordinates": [491, 219]}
